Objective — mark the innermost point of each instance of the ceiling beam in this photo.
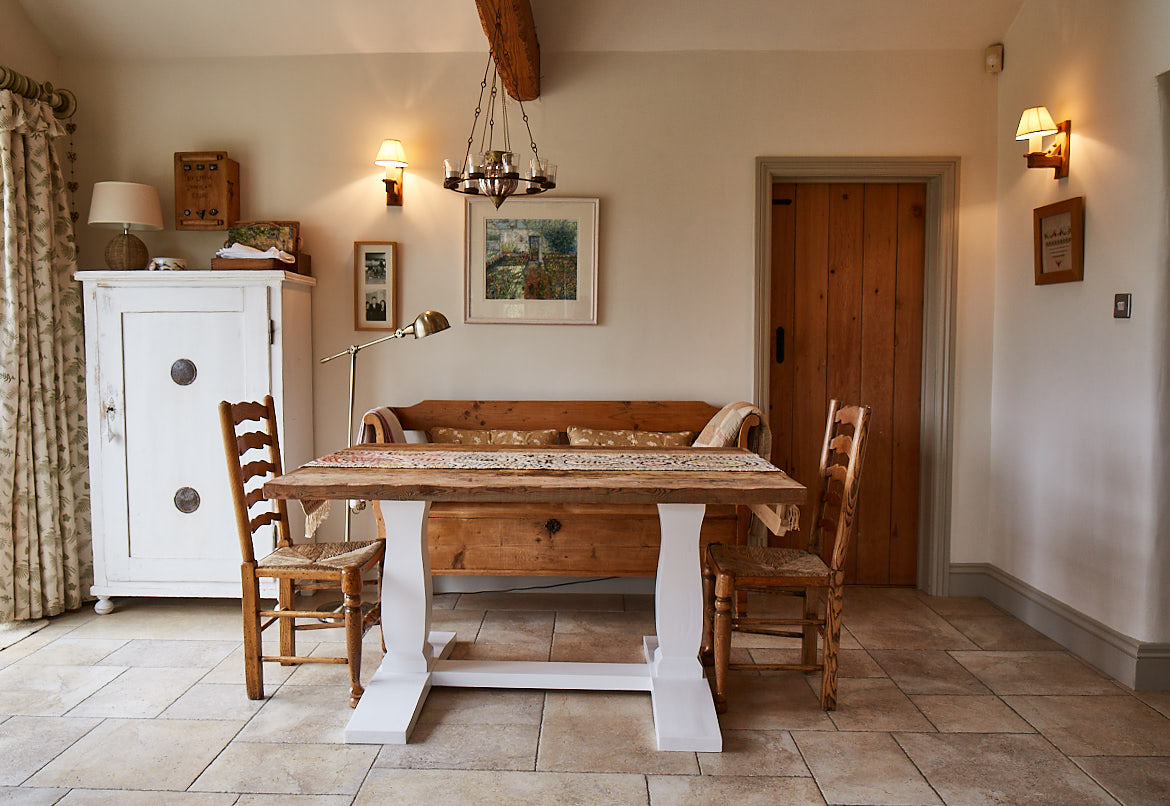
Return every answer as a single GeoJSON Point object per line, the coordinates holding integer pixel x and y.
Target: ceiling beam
{"type": "Point", "coordinates": [517, 53]}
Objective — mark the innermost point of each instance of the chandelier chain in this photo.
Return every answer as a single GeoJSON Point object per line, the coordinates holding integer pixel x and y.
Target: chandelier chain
{"type": "Point", "coordinates": [478, 109]}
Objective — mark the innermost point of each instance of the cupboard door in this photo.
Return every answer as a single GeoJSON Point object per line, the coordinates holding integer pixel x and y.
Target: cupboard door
{"type": "Point", "coordinates": [179, 352]}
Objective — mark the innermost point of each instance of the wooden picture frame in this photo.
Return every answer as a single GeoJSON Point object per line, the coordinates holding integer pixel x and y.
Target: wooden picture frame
{"type": "Point", "coordinates": [375, 285]}
{"type": "Point", "coordinates": [1059, 234]}
{"type": "Point", "coordinates": [533, 261]}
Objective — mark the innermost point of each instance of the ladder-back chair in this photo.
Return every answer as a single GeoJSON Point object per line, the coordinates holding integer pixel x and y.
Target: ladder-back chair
{"type": "Point", "coordinates": [737, 569]}
{"type": "Point", "coordinates": [337, 566]}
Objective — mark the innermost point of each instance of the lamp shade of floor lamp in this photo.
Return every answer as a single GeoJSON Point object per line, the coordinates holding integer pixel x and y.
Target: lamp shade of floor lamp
{"type": "Point", "coordinates": [125, 206]}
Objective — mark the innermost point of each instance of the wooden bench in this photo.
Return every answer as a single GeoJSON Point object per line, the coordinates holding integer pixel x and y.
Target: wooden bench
{"type": "Point", "coordinates": [556, 539]}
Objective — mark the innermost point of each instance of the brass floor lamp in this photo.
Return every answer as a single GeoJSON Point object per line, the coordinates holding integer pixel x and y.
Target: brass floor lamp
{"type": "Point", "coordinates": [424, 325]}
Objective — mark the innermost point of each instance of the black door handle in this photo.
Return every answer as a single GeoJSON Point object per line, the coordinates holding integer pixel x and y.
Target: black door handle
{"type": "Point", "coordinates": [779, 345]}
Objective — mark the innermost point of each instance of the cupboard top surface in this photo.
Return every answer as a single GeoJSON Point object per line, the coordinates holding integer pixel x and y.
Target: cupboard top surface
{"type": "Point", "coordinates": [192, 277]}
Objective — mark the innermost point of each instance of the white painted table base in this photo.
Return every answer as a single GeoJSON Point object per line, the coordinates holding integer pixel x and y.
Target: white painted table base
{"type": "Point", "coordinates": [416, 658]}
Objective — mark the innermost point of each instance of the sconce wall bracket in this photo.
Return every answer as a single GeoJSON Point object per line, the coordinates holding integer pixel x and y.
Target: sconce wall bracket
{"type": "Point", "coordinates": [1056, 157]}
{"type": "Point", "coordinates": [393, 189]}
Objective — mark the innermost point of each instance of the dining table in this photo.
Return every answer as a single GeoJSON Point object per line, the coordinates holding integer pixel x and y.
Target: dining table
{"type": "Point", "coordinates": [403, 479]}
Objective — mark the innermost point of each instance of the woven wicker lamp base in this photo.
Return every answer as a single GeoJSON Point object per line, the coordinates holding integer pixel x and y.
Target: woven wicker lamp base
{"type": "Point", "coordinates": [126, 251]}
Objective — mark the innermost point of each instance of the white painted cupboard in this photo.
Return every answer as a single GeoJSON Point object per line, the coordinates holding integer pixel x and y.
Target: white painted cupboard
{"type": "Point", "coordinates": [162, 349]}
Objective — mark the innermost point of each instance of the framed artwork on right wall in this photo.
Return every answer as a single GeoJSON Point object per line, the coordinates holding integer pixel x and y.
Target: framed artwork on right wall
{"type": "Point", "coordinates": [1059, 233]}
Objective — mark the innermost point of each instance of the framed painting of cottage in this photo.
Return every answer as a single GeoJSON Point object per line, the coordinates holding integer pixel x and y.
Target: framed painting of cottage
{"type": "Point", "coordinates": [1059, 233]}
{"type": "Point", "coordinates": [532, 261]}
{"type": "Point", "coordinates": [375, 275]}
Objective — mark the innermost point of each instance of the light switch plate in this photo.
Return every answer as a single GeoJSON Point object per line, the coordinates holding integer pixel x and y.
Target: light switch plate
{"type": "Point", "coordinates": [1122, 305]}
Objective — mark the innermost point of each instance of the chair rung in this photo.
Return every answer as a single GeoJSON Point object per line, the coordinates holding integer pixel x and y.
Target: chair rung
{"type": "Point", "coordinates": [301, 659]}
{"type": "Point", "coordinates": [781, 633]}
{"type": "Point", "coordinates": [332, 625]}
{"type": "Point", "coordinates": [302, 614]}
{"type": "Point", "coordinates": [786, 621]}
{"type": "Point", "coordinates": [778, 667]}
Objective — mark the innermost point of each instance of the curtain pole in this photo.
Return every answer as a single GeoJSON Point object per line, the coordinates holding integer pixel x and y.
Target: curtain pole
{"type": "Point", "coordinates": [63, 102]}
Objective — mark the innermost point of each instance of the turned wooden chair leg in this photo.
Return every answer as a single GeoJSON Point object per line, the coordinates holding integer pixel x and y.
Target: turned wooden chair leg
{"type": "Point", "coordinates": [707, 648]}
{"type": "Point", "coordinates": [724, 600]}
{"type": "Point", "coordinates": [832, 641]}
{"type": "Point", "coordinates": [808, 641]}
{"type": "Point", "coordinates": [351, 583]}
{"type": "Point", "coordinates": [286, 600]}
{"type": "Point", "coordinates": [253, 668]}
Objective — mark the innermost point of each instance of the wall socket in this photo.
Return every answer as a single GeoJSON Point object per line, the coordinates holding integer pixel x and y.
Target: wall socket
{"type": "Point", "coordinates": [1122, 305]}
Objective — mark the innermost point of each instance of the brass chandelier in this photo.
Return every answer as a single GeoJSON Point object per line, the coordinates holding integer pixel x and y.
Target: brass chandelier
{"type": "Point", "coordinates": [496, 172]}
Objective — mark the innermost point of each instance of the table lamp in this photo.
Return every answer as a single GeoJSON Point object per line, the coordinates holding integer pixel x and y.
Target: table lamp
{"type": "Point", "coordinates": [125, 206]}
{"type": "Point", "coordinates": [424, 325]}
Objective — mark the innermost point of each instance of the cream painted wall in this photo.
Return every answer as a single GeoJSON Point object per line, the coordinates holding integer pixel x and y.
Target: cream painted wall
{"type": "Point", "coordinates": [1079, 503]}
{"type": "Point", "coordinates": [23, 48]}
{"type": "Point", "coordinates": [667, 141]}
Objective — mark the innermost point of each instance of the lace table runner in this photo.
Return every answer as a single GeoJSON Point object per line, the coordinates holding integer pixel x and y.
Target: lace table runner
{"type": "Point", "coordinates": [592, 459]}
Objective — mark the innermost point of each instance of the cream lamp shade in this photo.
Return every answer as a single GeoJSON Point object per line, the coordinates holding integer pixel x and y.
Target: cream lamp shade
{"type": "Point", "coordinates": [391, 155]}
{"type": "Point", "coordinates": [125, 206]}
{"type": "Point", "coordinates": [1034, 124]}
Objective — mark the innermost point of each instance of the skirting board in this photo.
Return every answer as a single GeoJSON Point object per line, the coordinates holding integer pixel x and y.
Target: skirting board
{"type": "Point", "coordinates": [1141, 665]}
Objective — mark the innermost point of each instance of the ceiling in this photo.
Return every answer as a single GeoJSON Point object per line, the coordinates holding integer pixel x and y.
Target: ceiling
{"type": "Point", "coordinates": [160, 29]}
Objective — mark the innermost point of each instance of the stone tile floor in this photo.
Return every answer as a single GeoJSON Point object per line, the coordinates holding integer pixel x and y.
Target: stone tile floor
{"type": "Point", "coordinates": [943, 701]}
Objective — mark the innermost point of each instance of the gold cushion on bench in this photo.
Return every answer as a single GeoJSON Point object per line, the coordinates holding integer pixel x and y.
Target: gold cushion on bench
{"type": "Point", "coordinates": [497, 436]}
{"type": "Point", "coordinates": [623, 438]}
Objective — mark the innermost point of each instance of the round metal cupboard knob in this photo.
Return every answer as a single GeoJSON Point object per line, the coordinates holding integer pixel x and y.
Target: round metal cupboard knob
{"type": "Point", "coordinates": [186, 499]}
{"type": "Point", "coordinates": [183, 371]}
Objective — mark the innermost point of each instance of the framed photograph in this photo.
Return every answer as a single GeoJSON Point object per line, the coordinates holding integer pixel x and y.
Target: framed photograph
{"type": "Point", "coordinates": [1059, 232]}
{"type": "Point", "coordinates": [375, 282]}
{"type": "Point", "coordinates": [533, 261]}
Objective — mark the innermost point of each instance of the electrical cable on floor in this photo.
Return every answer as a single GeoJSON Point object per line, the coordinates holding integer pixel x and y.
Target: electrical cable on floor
{"type": "Point", "coordinates": [531, 587]}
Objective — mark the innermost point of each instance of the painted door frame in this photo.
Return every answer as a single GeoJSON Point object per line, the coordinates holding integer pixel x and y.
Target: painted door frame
{"type": "Point", "coordinates": [939, 289]}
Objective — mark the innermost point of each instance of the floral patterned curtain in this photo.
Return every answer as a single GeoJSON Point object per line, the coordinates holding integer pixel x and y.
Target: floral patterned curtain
{"type": "Point", "coordinates": [46, 558]}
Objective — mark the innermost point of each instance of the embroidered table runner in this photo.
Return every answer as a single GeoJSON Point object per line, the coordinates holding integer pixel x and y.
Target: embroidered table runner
{"type": "Point", "coordinates": [568, 460]}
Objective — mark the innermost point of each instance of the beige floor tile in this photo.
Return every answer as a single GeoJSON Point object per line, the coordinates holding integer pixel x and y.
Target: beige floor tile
{"type": "Point", "coordinates": [685, 790]}
{"type": "Point", "coordinates": [301, 715]}
{"type": "Point", "coordinates": [70, 651]}
{"type": "Point", "coordinates": [464, 623]}
{"type": "Point", "coordinates": [27, 646]}
{"type": "Point", "coordinates": [295, 769]}
{"type": "Point", "coordinates": [781, 701]}
{"type": "Point", "coordinates": [755, 752]}
{"type": "Point", "coordinates": [909, 625]}
{"type": "Point", "coordinates": [231, 669]}
{"type": "Point", "coordinates": [477, 651]}
{"type": "Point", "coordinates": [972, 769]}
{"type": "Point", "coordinates": [138, 754]}
{"type": "Point", "coordinates": [444, 601]}
{"type": "Point", "coordinates": [874, 704]}
{"type": "Point", "coordinates": [540, 601]}
{"type": "Point", "coordinates": [29, 796]}
{"type": "Point", "coordinates": [27, 743]}
{"type": "Point", "coordinates": [965, 713]}
{"type": "Point", "coordinates": [1002, 632]}
{"type": "Point", "coordinates": [1133, 781]}
{"type": "Point", "coordinates": [1035, 673]}
{"type": "Point", "coordinates": [1158, 700]}
{"type": "Point", "coordinates": [146, 652]}
{"type": "Point", "coordinates": [164, 619]}
{"type": "Point", "coordinates": [292, 800]}
{"type": "Point", "coordinates": [214, 701]}
{"type": "Point", "coordinates": [443, 787]}
{"type": "Point", "coordinates": [620, 624]}
{"type": "Point", "coordinates": [863, 768]}
{"type": "Point", "coordinates": [927, 672]}
{"type": "Point", "coordinates": [964, 606]}
{"type": "Point", "coordinates": [139, 693]}
{"type": "Point", "coordinates": [451, 746]}
{"type": "Point", "coordinates": [122, 797]}
{"type": "Point", "coordinates": [598, 648]}
{"type": "Point", "coordinates": [603, 732]}
{"type": "Point", "coordinates": [853, 662]}
{"type": "Point", "coordinates": [1097, 726]}
{"type": "Point", "coordinates": [511, 627]}
{"type": "Point", "coordinates": [50, 690]}
{"type": "Point", "coordinates": [482, 706]}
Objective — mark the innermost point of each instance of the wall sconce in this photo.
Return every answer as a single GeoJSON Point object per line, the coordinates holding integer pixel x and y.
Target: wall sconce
{"type": "Point", "coordinates": [393, 158]}
{"type": "Point", "coordinates": [1035, 124]}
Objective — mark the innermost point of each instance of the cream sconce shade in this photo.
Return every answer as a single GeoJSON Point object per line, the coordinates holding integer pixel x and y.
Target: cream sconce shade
{"type": "Point", "coordinates": [1035, 125]}
{"type": "Point", "coordinates": [125, 206]}
{"type": "Point", "coordinates": [393, 158]}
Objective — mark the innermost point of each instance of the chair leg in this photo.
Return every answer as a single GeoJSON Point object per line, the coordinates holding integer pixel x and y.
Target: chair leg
{"type": "Point", "coordinates": [253, 668]}
{"type": "Point", "coordinates": [832, 640]}
{"type": "Point", "coordinates": [707, 648]}
{"type": "Point", "coordinates": [808, 642]}
{"type": "Point", "coordinates": [724, 600]}
{"type": "Point", "coordinates": [287, 626]}
{"type": "Point", "coordinates": [351, 584]}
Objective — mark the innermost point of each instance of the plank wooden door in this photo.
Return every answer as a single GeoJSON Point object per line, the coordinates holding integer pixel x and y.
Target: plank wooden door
{"type": "Point", "coordinates": [847, 264]}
